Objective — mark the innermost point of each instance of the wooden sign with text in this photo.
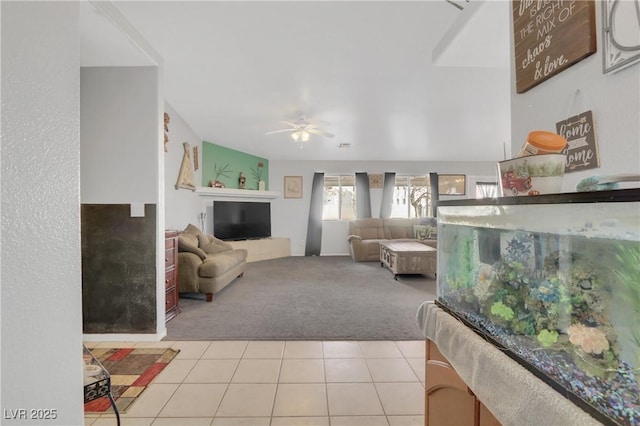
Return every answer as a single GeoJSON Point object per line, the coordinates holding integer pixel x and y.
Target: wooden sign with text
{"type": "Point", "coordinates": [549, 37]}
{"type": "Point", "coordinates": [581, 150]}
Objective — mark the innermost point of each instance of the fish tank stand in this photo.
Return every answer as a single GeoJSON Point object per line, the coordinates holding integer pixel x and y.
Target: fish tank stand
{"type": "Point", "coordinates": [505, 392]}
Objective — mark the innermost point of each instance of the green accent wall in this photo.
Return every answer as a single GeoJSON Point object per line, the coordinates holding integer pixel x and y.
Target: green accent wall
{"type": "Point", "coordinates": [225, 164]}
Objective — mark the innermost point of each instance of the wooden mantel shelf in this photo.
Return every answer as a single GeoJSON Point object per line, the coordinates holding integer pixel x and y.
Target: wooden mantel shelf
{"type": "Point", "coordinates": [208, 192]}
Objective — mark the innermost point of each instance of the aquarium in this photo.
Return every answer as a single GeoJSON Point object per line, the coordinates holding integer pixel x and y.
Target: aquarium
{"type": "Point", "coordinates": [554, 281]}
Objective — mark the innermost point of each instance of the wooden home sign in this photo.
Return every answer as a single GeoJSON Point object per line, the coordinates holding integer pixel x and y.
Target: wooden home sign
{"type": "Point", "coordinates": [549, 37]}
{"type": "Point", "coordinates": [582, 147]}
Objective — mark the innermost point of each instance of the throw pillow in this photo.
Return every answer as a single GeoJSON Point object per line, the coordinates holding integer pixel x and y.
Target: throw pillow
{"type": "Point", "coordinates": [189, 243]}
{"type": "Point", "coordinates": [420, 232]}
{"type": "Point", "coordinates": [429, 221]}
{"type": "Point", "coordinates": [211, 245]}
{"type": "Point", "coordinates": [192, 230]}
{"type": "Point", "coordinates": [432, 232]}
{"type": "Point", "coordinates": [399, 232]}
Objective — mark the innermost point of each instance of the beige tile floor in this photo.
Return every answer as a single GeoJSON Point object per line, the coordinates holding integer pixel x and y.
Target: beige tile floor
{"type": "Point", "coordinates": [281, 383]}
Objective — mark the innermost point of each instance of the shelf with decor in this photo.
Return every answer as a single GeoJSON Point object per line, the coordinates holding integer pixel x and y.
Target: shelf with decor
{"type": "Point", "coordinates": [205, 191]}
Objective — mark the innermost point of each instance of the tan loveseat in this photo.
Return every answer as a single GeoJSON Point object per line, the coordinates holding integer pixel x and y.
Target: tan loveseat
{"type": "Point", "coordinates": [365, 236]}
{"type": "Point", "coordinates": [206, 264]}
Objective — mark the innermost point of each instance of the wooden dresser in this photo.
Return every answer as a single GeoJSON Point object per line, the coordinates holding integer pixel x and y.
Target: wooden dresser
{"type": "Point", "coordinates": [171, 274]}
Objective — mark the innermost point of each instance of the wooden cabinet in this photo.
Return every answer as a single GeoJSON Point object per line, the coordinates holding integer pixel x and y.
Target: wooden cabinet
{"type": "Point", "coordinates": [448, 400]}
{"type": "Point", "coordinates": [171, 274]}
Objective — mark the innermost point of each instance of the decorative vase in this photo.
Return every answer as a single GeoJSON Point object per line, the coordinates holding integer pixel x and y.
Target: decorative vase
{"type": "Point", "coordinates": [261, 185]}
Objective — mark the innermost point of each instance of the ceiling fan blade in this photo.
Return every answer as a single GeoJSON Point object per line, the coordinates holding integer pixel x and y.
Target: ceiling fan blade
{"type": "Point", "coordinates": [293, 125]}
{"type": "Point", "coordinates": [280, 131]}
{"type": "Point", "coordinates": [319, 132]}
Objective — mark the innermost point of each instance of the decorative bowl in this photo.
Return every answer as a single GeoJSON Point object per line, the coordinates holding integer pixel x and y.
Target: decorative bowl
{"type": "Point", "coordinates": [532, 175]}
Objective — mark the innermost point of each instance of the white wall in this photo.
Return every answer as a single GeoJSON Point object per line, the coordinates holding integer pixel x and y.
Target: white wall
{"type": "Point", "coordinates": [613, 98]}
{"type": "Point", "coordinates": [41, 312]}
{"type": "Point", "coordinates": [120, 135]}
{"type": "Point", "coordinates": [182, 205]}
{"type": "Point", "coordinates": [289, 217]}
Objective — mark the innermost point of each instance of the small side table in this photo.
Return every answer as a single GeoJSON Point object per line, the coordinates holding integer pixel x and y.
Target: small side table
{"type": "Point", "coordinates": [99, 385]}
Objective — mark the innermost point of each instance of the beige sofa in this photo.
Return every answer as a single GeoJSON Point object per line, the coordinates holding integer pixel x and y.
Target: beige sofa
{"type": "Point", "coordinates": [206, 264]}
{"type": "Point", "coordinates": [365, 236]}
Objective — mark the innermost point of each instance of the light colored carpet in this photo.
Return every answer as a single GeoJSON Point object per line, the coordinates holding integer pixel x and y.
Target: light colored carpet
{"type": "Point", "coordinates": [308, 298]}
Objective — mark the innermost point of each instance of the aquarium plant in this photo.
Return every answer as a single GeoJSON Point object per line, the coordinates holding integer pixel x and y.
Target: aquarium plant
{"type": "Point", "coordinates": [548, 300]}
{"type": "Point", "coordinates": [512, 274]}
{"type": "Point", "coordinates": [501, 310]}
{"type": "Point", "coordinates": [627, 271]}
{"type": "Point", "coordinates": [515, 269]}
{"type": "Point", "coordinates": [547, 338]}
{"type": "Point", "coordinates": [462, 270]}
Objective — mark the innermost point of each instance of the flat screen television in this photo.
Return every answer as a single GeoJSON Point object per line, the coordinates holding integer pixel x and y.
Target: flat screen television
{"type": "Point", "coordinates": [241, 220]}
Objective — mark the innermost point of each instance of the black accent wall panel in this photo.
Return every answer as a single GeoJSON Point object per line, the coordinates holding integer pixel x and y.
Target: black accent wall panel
{"type": "Point", "coordinates": [118, 269]}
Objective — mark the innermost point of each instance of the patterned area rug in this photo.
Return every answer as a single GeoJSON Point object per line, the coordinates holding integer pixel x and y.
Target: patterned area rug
{"type": "Point", "coordinates": [131, 371]}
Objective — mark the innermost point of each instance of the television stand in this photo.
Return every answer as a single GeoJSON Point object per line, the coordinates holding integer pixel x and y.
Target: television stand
{"type": "Point", "coordinates": [264, 248]}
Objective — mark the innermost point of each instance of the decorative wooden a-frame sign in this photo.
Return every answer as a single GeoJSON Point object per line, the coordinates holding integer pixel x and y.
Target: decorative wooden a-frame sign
{"type": "Point", "coordinates": [549, 37]}
{"type": "Point", "coordinates": [185, 177]}
{"type": "Point", "coordinates": [582, 149]}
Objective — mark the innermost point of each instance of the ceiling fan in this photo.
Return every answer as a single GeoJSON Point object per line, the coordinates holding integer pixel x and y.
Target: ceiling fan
{"type": "Point", "coordinates": [302, 130]}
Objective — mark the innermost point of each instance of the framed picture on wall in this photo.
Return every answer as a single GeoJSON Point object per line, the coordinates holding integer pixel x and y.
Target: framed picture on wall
{"type": "Point", "coordinates": [452, 184]}
{"type": "Point", "coordinates": [375, 181]}
{"type": "Point", "coordinates": [293, 187]}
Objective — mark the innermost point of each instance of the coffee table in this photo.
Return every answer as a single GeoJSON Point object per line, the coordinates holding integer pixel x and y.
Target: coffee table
{"type": "Point", "coordinates": [408, 257]}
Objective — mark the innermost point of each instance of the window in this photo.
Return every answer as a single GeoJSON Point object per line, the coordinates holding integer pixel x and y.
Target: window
{"type": "Point", "coordinates": [411, 197]}
{"type": "Point", "coordinates": [486, 190]}
{"type": "Point", "coordinates": [339, 198]}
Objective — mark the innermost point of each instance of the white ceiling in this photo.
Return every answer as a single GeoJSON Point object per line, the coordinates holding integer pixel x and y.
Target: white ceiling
{"type": "Point", "coordinates": [233, 70]}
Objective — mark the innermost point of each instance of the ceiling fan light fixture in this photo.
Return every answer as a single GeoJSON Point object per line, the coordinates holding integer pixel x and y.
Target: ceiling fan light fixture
{"type": "Point", "coordinates": [300, 135]}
